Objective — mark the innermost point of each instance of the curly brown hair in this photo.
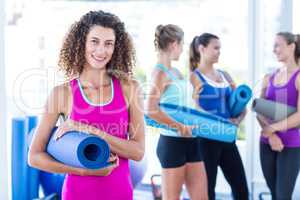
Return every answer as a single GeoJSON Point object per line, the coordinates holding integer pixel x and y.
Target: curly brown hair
{"type": "Point", "coordinates": [72, 54]}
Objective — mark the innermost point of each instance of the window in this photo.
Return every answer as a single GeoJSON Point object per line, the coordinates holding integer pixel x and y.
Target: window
{"type": "Point", "coordinates": [35, 32]}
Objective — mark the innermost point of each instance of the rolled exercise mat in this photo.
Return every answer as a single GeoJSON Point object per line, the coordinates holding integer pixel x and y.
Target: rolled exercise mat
{"type": "Point", "coordinates": [51, 182]}
{"type": "Point", "coordinates": [272, 110]}
{"type": "Point", "coordinates": [239, 99]}
{"type": "Point", "coordinates": [18, 159]}
{"type": "Point", "coordinates": [79, 149]}
{"type": "Point", "coordinates": [208, 126]}
{"type": "Point", "coordinates": [32, 173]}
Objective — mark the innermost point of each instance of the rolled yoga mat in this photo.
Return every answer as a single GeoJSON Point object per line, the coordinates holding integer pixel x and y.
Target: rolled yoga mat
{"type": "Point", "coordinates": [272, 110]}
{"type": "Point", "coordinates": [208, 125]}
{"type": "Point", "coordinates": [79, 149]}
{"type": "Point", "coordinates": [51, 182]}
{"type": "Point", "coordinates": [239, 99]}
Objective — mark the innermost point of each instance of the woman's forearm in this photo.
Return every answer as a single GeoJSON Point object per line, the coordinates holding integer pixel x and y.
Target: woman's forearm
{"type": "Point", "coordinates": [262, 121]}
{"type": "Point", "coordinates": [162, 118]}
{"type": "Point", "coordinates": [292, 121]}
{"type": "Point", "coordinates": [45, 162]}
{"type": "Point", "coordinates": [129, 149]}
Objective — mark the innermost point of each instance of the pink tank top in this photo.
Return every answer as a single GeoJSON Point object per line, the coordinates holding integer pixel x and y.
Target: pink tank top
{"type": "Point", "coordinates": [111, 117]}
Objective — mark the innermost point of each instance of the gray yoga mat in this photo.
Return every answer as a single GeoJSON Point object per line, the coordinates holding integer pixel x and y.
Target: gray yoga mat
{"type": "Point", "coordinates": [272, 110]}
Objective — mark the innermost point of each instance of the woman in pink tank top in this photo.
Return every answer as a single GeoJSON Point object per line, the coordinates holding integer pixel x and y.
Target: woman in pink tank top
{"type": "Point", "coordinates": [101, 99]}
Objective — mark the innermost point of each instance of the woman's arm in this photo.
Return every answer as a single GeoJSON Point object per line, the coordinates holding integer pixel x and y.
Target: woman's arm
{"type": "Point", "coordinates": [133, 148]}
{"type": "Point", "coordinates": [153, 110]}
{"type": "Point", "coordinates": [274, 141]}
{"type": "Point", "coordinates": [38, 157]}
{"type": "Point", "coordinates": [261, 119]}
{"type": "Point", "coordinates": [57, 103]}
{"type": "Point", "coordinates": [197, 87]}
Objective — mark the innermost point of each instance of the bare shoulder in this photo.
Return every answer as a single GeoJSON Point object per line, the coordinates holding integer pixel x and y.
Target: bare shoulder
{"type": "Point", "coordinates": [63, 88]}
{"type": "Point", "coordinates": [195, 80]}
{"type": "Point", "coordinates": [159, 76]}
{"type": "Point", "coordinates": [60, 98]}
{"type": "Point", "coordinates": [130, 85]}
{"type": "Point", "coordinates": [131, 89]}
{"type": "Point", "coordinates": [227, 75]}
{"type": "Point", "coordinates": [297, 82]}
{"type": "Point", "coordinates": [266, 79]}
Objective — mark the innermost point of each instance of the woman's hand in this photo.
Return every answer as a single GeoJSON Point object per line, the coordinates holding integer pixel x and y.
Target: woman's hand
{"type": "Point", "coordinates": [67, 126]}
{"type": "Point", "coordinates": [275, 143]}
{"type": "Point", "coordinates": [114, 163]}
{"type": "Point", "coordinates": [71, 125]}
{"type": "Point", "coordinates": [237, 120]}
{"type": "Point", "coordinates": [269, 130]}
{"type": "Point", "coordinates": [185, 131]}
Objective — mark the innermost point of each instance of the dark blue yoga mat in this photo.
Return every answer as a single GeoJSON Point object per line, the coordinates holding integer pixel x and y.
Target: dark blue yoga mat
{"type": "Point", "coordinates": [239, 100]}
{"type": "Point", "coordinates": [79, 149]}
{"type": "Point", "coordinates": [208, 125]}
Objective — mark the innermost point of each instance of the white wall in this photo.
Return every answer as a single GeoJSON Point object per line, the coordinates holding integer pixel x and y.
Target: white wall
{"type": "Point", "coordinates": [3, 117]}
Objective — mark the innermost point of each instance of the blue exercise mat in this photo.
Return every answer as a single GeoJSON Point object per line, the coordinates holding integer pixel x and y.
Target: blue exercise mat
{"type": "Point", "coordinates": [79, 149]}
{"type": "Point", "coordinates": [208, 125]}
{"type": "Point", "coordinates": [238, 100]}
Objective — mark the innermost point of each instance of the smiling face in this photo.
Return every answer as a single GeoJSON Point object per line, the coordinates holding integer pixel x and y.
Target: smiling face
{"type": "Point", "coordinates": [282, 49]}
{"type": "Point", "coordinates": [211, 52]}
{"type": "Point", "coordinates": [99, 47]}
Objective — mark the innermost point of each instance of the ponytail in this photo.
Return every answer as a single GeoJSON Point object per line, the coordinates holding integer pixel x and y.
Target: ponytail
{"type": "Point", "coordinates": [297, 48]}
{"type": "Point", "coordinates": [194, 54]}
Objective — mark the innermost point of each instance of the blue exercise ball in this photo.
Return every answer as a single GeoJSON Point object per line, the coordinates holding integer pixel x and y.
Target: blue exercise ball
{"type": "Point", "coordinates": [51, 183]}
{"type": "Point", "coordinates": [137, 170]}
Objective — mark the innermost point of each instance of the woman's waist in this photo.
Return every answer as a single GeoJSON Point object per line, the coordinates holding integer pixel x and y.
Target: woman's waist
{"type": "Point", "coordinates": [121, 170]}
{"type": "Point", "coordinates": [288, 137]}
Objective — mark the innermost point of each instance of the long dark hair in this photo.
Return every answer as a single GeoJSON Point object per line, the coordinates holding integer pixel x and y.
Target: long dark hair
{"type": "Point", "coordinates": [195, 56]}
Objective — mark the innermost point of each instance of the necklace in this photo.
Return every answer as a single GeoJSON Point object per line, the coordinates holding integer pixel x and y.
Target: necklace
{"type": "Point", "coordinates": [93, 87]}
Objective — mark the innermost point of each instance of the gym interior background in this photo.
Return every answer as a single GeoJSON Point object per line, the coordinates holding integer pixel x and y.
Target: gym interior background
{"type": "Point", "coordinates": [31, 33]}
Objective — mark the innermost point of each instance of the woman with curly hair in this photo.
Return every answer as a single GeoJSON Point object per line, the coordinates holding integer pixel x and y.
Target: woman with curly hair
{"type": "Point", "coordinates": [101, 98]}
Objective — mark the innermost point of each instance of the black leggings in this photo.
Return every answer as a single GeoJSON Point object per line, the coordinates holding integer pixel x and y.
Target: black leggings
{"type": "Point", "coordinates": [225, 155]}
{"type": "Point", "coordinates": [280, 170]}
